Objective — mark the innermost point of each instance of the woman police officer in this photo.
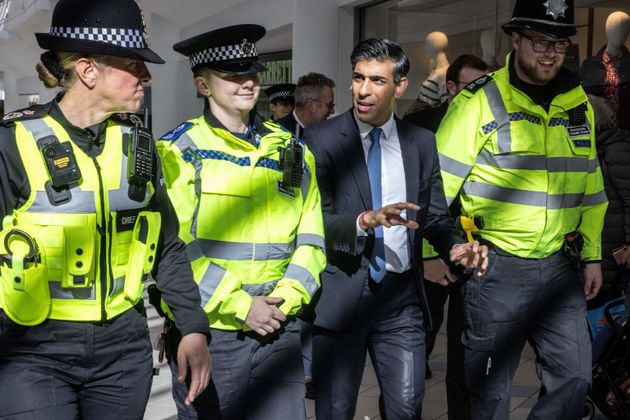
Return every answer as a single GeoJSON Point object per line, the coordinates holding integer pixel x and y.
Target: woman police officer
{"type": "Point", "coordinates": [253, 224]}
{"type": "Point", "coordinates": [82, 210]}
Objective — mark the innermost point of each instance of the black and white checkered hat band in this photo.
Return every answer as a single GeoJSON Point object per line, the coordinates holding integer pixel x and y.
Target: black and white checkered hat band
{"type": "Point", "coordinates": [122, 37]}
{"type": "Point", "coordinates": [281, 94]}
{"type": "Point", "coordinates": [223, 53]}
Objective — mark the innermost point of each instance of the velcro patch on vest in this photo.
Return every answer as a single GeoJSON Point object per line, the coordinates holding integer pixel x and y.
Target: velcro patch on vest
{"type": "Point", "coordinates": [579, 131]}
{"type": "Point", "coordinates": [582, 143]}
{"type": "Point", "coordinates": [175, 133]}
{"type": "Point", "coordinates": [126, 220]}
{"type": "Point", "coordinates": [475, 85]}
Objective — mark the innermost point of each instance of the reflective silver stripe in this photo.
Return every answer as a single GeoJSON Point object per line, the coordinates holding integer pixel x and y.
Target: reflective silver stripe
{"type": "Point", "coordinates": [82, 202]}
{"type": "Point", "coordinates": [593, 164]}
{"type": "Point", "coordinates": [454, 167]}
{"type": "Point", "coordinates": [306, 181]}
{"type": "Point", "coordinates": [310, 239]}
{"type": "Point", "coordinates": [187, 145]}
{"type": "Point", "coordinates": [595, 199]}
{"type": "Point", "coordinates": [209, 282]}
{"type": "Point", "coordinates": [304, 276]}
{"type": "Point", "coordinates": [564, 201]}
{"type": "Point", "coordinates": [528, 198]}
{"type": "Point", "coordinates": [497, 107]}
{"type": "Point", "coordinates": [117, 286]}
{"type": "Point", "coordinates": [58, 292]}
{"type": "Point", "coordinates": [529, 162]}
{"type": "Point", "coordinates": [38, 128]}
{"type": "Point", "coordinates": [238, 251]}
{"type": "Point", "coordinates": [536, 162]}
{"type": "Point", "coordinates": [260, 289]}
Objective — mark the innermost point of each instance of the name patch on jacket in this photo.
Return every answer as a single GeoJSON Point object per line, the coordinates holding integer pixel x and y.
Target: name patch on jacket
{"type": "Point", "coordinates": [126, 220]}
{"type": "Point", "coordinates": [175, 133]}
{"type": "Point", "coordinates": [582, 143]}
{"type": "Point", "coordinates": [579, 131]}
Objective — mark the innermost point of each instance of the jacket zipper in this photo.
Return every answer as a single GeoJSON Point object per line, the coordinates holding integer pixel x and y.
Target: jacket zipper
{"type": "Point", "coordinates": [103, 231]}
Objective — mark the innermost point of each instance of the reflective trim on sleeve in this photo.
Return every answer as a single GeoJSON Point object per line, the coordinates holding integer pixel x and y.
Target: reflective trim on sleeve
{"type": "Point", "coordinates": [454, 167]}
{"type": "Point", "coordinates": [497, 107]}
{"type": "Point", "coordinates": [595, 199]}
{"type": "Point", "coordinates": [304, 276]}
{"type": "Point", "coordinates": [260, 289]}
{"type": "Point", "coordinates": [306, 181]}
{"type": "Point", "coordinates": [310, 239]}
{"type": "Point", "coordinates": [209, 282]}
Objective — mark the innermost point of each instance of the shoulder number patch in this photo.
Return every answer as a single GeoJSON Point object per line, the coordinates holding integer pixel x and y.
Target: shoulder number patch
{"type": "Point", "coordinates": [475, 85]}
{"type": "Point", "coordinates": [175, 133]}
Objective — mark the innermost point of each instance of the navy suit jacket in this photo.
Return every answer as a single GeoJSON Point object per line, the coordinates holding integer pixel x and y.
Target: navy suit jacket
{"type": "Point", "coordinates": [345, 192]}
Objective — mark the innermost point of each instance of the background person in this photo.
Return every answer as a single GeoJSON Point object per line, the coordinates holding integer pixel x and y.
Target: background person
{"type": "Point", "coordinates": [281, 100]}
{"type": "Point", "coordinates": [87, 354]}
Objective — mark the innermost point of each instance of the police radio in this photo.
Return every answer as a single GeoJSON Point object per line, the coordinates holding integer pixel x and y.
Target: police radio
{"type": "Point", "coordinates": [139, 160]}
{"type": "Point", "coordinates": [291, 163]}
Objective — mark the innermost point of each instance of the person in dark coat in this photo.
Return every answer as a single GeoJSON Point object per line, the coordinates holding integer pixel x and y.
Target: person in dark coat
{"type": "Point", "coordinates": [613, 149]}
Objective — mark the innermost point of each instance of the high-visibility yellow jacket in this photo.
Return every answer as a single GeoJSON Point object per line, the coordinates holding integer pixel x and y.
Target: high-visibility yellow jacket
{"type": "Point", "coordinates": [245, 234]}
{"type": "Point", "coordinates": [532, 174]}
{"type": "Point", "coordinates": [86, 243]}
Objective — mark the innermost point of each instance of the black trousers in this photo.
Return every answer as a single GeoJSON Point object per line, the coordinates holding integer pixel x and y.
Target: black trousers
{"type": "Point", "coordinates": [389, 326]}
{"type": "Point", "coordinates": [457, 397]}
{"type": "Point", "coordinates": [71, 370]}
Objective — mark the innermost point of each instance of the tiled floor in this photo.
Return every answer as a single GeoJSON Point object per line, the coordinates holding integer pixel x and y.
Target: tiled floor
{"type": "Point", "coordinates": [524, 390]}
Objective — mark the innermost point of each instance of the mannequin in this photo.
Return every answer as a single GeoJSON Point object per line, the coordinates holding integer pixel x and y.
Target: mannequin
{"type": "Point", "coordinates": [607, 74]}
{"type": "Point", "coordinates": [489, 48]}
{"type": "Point", "coordinates": [433, 89]}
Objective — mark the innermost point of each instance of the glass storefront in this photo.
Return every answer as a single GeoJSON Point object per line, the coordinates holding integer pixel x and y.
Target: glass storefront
{"type": "Point", "coordinates": [474, 27]}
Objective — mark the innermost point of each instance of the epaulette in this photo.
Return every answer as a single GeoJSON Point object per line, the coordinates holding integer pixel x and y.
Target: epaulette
{"type": "Point", "coordinates": [127, 118]}
{"type": "Point", "coordinates": [175, 133]}
{"type": "Point", "coordinates": [475, 85]}
{"type": "Point", "coordinates": [32, 112]}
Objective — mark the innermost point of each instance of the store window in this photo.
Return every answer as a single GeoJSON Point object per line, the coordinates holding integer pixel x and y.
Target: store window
{"type": "Point", "coordinates": [433, 33]}
{"type": "Point", "coordinates": [279, 70]}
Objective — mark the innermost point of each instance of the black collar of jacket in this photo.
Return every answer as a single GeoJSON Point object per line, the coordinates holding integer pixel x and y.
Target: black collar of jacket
{"type": "Point", "coordinates": [564, 81]}
{"type": "Point", "coordinates": [254, 119]}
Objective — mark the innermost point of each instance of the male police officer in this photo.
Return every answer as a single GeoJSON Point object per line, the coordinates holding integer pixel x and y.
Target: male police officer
{"type": "Point", "coordinates": [281, 101]}
{"type": "Point", "coordinates": [525, 161]}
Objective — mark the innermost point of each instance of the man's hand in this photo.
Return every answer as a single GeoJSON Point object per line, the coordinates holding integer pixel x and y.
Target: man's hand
{"type": "Point", "coordinates": [436, 271]}
{"type": "Point", "coordinates": [389, 216]}
{"type": "Point", "coordinates": [193, 354]}
{"type": "Point", "coordinates": [592, 279]}
{"type": "Point", "coordinates": [625, 259]}
{"type": "Point", "coordinates": [471, 255]}
{"type": "Point", "coordinates": [264, 317]}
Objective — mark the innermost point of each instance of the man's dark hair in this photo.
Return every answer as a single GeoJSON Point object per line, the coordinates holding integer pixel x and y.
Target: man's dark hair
{"type": "Point", "coordinates": [382, 49]}
{"type": "Point", "coordinates": [309, 87]}
{"type": "Point", "coordinates": [464, 60]}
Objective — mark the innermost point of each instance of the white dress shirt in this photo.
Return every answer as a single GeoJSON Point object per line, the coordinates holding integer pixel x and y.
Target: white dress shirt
{"type": "Point", "coordinates": [299, 129]}
{"type": "Point", "coordinates": [394, 190]}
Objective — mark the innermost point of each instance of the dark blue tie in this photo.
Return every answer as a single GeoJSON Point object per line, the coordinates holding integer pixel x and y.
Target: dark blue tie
{"type": "Point", "coordinates": [377, 262]}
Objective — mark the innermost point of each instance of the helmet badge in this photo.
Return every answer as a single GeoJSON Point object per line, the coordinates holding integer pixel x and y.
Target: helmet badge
{"type": "Point", "coordinates": [555, 8]}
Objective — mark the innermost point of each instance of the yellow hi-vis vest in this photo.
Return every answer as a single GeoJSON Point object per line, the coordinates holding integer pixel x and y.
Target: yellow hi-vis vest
{"type": "Point", "coordinates": [532, 175]}
{"type": "Point", "coordinates": [245, 236]}
{"type": "Point", "coordinates": [94, 262]}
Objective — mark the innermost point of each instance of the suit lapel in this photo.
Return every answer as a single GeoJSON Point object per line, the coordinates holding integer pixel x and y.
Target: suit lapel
{"type": "Point", "coordinates": [411, 164]}
{"type": "Point", "coordinates": [355, 156]}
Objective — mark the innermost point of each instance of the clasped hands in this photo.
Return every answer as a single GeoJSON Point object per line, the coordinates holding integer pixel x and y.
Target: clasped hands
{"type": "Point", "coordinates": [470, 255]}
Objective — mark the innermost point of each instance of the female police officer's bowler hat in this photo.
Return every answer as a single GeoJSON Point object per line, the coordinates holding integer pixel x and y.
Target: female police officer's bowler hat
{"type": "Point", "coordinates": [109, 27]}
{"type": "Point", "coordinates": [550, 17]}
{"type": "Point", "coordinates": [231, 49]}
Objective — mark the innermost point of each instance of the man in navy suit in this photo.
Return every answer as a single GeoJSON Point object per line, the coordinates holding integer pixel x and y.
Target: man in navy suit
{"type": "Point", "coordinates": [381, 191]}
